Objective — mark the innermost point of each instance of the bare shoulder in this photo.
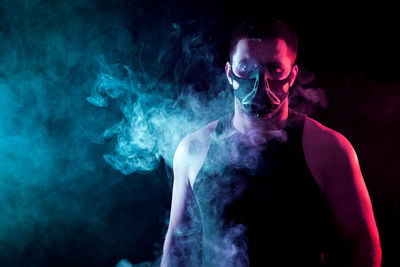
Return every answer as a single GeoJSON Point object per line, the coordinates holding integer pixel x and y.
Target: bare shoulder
{"type": "Point", "coordinates": [326, 152]}
{"type": "Point", "coordinates": [323, 137]}
{"type": "Point", "coordinates": [194, 143]}
{"type": "Point", "coordinates": [193, 149]}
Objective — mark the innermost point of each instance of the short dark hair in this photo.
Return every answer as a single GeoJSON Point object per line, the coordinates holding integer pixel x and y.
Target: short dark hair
{"type": "Point", "coordinates": [268, 28]}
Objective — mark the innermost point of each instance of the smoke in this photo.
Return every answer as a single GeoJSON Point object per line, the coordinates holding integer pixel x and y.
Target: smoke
{"type": "Point", "coordinates": [162, 98]}
{"type": "Point", "coordinates": [158, 108]}
{"type": "Point", "coordinates": [59, 203]}
{"type": "Point", "coordinates": [306, 97]}
{"type": "Point", "coordinates": [84, 83]}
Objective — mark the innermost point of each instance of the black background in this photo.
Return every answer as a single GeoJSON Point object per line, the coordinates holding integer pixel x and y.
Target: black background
{"type": "Point", "coordinates": [353, 51]}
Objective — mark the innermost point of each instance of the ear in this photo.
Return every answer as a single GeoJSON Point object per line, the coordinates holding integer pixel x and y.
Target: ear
{"type": "Point", "coordinates": [228, 69]}
{"type": "Point", "coordinates": [293, 74]}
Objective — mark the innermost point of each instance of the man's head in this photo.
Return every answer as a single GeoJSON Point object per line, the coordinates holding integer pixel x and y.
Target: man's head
{"type": "Point", "coordinates": [261, 67]}
{"type": "Point", "coordinates": [264, 29]}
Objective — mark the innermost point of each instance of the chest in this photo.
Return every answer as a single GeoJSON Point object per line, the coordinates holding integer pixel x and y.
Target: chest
{"type": "Point", "coordinates": [275, 173]}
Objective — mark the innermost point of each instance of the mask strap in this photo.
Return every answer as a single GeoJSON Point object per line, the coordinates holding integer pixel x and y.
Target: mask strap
{"type": "Point", "coordinates": [273, 97]}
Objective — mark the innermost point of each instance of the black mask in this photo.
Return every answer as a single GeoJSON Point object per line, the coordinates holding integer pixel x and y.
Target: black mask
{"type": "Point", "coordinates": [258, 96]}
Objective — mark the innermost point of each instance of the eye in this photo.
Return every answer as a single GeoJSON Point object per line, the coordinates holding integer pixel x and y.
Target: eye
{"type": "Point", "coordinates": [275, 69]}
{"type": "Point", "coordinates": [246, 68]}
{"type": "Point", "coordinates": [243, 67]}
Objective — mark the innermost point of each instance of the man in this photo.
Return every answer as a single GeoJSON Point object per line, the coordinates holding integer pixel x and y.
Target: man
{"type": "Point", "coordinates": [268, 186]}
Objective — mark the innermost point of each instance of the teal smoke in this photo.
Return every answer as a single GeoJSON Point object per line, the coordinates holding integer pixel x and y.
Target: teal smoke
{"type": "Point", "coordinates": [94, 98]}
{"type": "Point", "coordinates": [86, 86]}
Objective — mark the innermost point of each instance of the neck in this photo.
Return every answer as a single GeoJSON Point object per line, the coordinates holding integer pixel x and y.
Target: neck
{"type": "Point", "coordinates": [266, 126]}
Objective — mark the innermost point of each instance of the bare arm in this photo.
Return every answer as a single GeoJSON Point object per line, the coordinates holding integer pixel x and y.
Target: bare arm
{"type": "Point", "coordinates": [348, 198]}
{"type": "Point", "coordinates": [182, 244]}
{"type": "Point", "coordinates": [179, 235]}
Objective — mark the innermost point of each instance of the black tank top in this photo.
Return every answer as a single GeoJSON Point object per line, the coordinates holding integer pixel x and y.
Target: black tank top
{"type": "Point", "coordinates": [259, 205]}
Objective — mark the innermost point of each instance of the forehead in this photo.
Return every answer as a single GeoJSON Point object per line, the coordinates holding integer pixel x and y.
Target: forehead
{"type": "Point", "coordinates": [262, 51]}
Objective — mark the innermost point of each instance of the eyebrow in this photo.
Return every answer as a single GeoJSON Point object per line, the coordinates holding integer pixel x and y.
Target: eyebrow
{"type": "Point", "coordinates": [276, 63]}
{"type": "Point", "coordinates": [246, 60]}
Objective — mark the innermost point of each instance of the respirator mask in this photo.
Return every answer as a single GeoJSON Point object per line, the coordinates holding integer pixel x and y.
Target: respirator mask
{"type": "Point", "coordinates": [259, 96]}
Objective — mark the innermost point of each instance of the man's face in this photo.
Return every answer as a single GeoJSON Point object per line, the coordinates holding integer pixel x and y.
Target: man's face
{"type": "Point", "coordinates": [270, 57]}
